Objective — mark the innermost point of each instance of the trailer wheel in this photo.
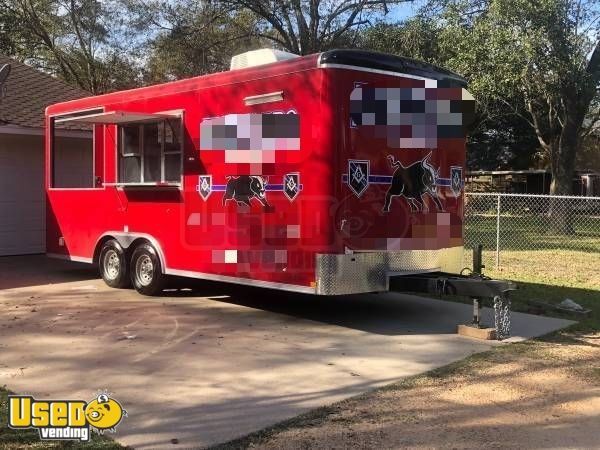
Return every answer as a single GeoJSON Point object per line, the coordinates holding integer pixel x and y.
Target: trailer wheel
{"type": "Point", "coordinates": [114, 268]}
{"type": "Point", "coordinates": [146, 271]}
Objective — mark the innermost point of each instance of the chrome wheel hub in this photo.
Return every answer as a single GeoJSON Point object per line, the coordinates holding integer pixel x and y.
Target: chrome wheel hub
{"type": "Point", "coordinates": [144, 270]}
{"type": "Point", "coordinates": [112, 265]}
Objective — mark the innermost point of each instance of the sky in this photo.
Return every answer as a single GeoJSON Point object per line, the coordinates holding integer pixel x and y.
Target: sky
{"type": "Point", "coordinates": [404, 10]}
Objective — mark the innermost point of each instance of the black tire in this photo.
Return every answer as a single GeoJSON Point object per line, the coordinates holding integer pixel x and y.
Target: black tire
{"type": "Point", "coordinates": [113, 265]}
{"type": "Point", "coordinates": [146, 271]}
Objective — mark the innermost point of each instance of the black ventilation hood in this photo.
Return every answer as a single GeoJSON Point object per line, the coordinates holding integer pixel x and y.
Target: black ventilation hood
{"type": "Point", "coordinates": [392, 63]}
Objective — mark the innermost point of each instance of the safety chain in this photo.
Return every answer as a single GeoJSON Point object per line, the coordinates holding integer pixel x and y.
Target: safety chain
{"type": "Point", "coordinates": [502, 317]}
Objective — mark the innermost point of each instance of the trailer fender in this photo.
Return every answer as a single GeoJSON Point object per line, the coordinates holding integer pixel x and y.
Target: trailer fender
{"type": "Point", "coordinates": [130, 240]}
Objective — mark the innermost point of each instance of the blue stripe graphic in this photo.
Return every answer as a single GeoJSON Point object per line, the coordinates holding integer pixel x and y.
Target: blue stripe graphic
{"type": "Point", "coordinates": [268, 187]}
{"type": "Point", "coordinates": [387, 179]}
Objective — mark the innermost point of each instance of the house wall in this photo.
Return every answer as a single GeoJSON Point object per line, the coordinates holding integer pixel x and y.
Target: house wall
{"type": "Point", "coordinates": [22, 196]}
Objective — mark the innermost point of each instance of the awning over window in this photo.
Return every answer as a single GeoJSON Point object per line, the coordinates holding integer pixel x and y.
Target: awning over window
{"type": "Point", "coordinates": [114, 117]}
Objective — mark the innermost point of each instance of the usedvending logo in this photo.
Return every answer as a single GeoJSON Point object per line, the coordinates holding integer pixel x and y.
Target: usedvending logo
{"type": "Point", "coordinates": [291, 185]}
{"type": "Point", "coordinates": [456, 180]}
{"type": "Point", "coordinates": [204, 186]}
{"type": "Point", "coordinates": [358, 176]}
{"type": "Point", "coordinates": [65, 419]}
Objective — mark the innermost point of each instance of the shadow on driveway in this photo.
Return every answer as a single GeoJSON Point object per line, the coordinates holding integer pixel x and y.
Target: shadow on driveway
{"type": "Point", "coordinates": [388, 314]}
{"type": "Point", "coordinates": [34, 270]}
{"type": "Point", "coordinates": [384, 314]}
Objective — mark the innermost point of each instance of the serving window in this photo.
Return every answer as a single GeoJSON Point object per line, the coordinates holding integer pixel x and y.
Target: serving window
{"type": "Point", "coordinates": [150, 152]}
{"type": "Point", "coordinates": [74, 152]}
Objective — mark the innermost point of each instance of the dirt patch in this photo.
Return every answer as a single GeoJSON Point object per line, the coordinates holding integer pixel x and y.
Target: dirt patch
{"type": "Point", "coordinates": [532, 395]}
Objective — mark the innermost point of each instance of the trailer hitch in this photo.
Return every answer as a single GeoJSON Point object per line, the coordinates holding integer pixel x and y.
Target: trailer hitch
{"type": "Point", "coordinates": [439, 283]}
{"type": "Point", "coordinates": [474, 285]}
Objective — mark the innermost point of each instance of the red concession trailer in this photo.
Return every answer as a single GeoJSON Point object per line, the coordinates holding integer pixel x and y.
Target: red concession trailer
{"type": "Point", "coordinates": [325, 174]}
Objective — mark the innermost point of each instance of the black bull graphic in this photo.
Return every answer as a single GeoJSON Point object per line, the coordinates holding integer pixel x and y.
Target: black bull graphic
{"type": "Point", "coordinates": [244, 188]}
{"type": "Point", "coordinates": [413, 182]}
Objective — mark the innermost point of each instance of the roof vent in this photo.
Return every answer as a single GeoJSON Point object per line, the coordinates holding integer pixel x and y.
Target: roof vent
{"type": "Point", "coordinates": [259, 57]}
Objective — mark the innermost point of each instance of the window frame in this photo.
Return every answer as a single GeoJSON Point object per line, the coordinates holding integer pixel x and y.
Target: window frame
{"type": "Point", "coordinates": [162, 125]}
{"type": "Point", "coordinates": [52, 134]}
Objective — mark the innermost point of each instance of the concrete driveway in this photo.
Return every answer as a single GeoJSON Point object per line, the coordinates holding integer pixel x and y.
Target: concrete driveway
{"type": "Point", "coordinates": [218, 361]}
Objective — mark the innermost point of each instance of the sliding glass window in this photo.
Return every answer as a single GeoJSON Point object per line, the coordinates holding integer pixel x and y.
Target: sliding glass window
{"type": "Point", "coordinates": [150, 152]}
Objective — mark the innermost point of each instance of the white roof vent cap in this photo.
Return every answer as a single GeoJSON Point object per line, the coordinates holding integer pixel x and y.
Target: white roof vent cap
{"type": "Point", "coordinates": [259, 57]}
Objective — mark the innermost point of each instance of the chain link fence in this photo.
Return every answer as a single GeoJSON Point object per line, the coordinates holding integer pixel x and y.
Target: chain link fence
{"type": "Point", "coordinates": [541, 233]}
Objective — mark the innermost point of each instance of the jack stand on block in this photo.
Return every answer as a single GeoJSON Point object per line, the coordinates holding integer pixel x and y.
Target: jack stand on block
{"type": "Point", "coordinates": [475, 285]}
{"type": "Point", "coordinates": [474, 329]}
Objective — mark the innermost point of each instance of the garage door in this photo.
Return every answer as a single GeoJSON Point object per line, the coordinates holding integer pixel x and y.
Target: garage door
{"type": "Point", "coordinates": [22, 198]}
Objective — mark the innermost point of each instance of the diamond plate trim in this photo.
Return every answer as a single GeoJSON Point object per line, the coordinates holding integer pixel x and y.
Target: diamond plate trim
{"type": "Point", "coordinates": [350, 274]}
{"type": "Point", "coordinates": [339, 274]}
{"type": "Point", "coordinates": [445, 259]}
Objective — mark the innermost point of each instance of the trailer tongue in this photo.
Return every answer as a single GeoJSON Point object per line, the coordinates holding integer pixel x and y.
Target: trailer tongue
{"type": "Point", "coordinates": [474, 285]}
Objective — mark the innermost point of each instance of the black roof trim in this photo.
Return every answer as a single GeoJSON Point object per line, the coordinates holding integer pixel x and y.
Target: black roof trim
{"type": "Point", "coordinates": [393, 63]}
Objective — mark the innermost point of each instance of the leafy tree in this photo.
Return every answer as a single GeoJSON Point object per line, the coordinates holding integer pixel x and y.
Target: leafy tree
{"type": "Point", "coordinates": [416, 38]}
{"type": "Point", "coordinates": [499, 139]}
{"type": "Point", "coordinates": [588, 158]}
{"type": "Point", "coordinates": [188, 38]}
{"type": "Point", "coordinates": [75, 39]}
{"type": "Point", "coordinates": [543, 53]}
{"type": "Point", "coordinates": [309, 26]}
{"type": "Point", "coordinates": [8, 23]}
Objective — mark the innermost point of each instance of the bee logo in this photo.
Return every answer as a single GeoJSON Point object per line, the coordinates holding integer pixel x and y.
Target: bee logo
{"type": "Point", "coordinates": [104, 413]}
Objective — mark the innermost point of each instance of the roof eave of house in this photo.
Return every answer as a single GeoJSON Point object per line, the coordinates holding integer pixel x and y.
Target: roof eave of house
{"type": "Point", "coordinates": [7, 128]}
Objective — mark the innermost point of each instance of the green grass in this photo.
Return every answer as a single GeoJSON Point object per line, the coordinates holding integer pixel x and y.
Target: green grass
{"type": "Point", "coordinates": [547, 266]}
{"type": "Point", "coordinates": [30, 439]}
{"type": "Point", "coordinates": [522, 232]}
{"type": "Point", "coordinates": [550, 276]}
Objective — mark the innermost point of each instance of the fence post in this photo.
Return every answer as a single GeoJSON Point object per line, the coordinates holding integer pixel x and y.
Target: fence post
{"type": "Point", "coordinates": [498, 233]}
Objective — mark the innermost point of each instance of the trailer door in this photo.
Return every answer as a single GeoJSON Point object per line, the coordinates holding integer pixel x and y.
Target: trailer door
{"type": "Point", "coordinates": [403, 165]}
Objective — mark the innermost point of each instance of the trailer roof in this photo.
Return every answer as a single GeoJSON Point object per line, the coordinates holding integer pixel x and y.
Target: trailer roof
{"type": "Point", "coordinates": [391, 63]}
{"type": "Point", "coordinates": [188, 84]}
{"type": "Point", "coordinates": [350, 59]}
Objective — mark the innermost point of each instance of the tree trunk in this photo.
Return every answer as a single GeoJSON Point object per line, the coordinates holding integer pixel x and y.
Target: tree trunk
{"type": "Point", "coordinates": [562, 165]}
